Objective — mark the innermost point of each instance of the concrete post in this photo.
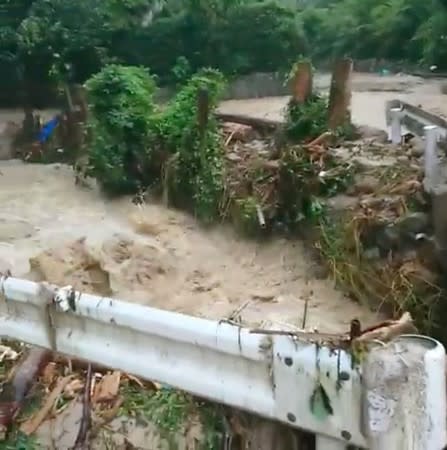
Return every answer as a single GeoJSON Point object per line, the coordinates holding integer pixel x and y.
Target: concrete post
{"type": "Point", "coordinates": [431, 164]}
{"type": "Point", "coordinates": [396, 128]}
{"type": "Point", "coordinates": [404, 395]}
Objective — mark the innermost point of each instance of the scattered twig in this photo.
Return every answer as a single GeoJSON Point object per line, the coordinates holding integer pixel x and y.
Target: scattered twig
{"type": "Point", "coordinates": [83, 435]}
{"type": "Point", "coordinates": [321, 140]}
{"type": "Point", "coordinates": [31, 425]}
{"type": "Point", "coordinates": [306, 305]}
{"type": "Point", "coordinates": [384, 332]}
{"type": "Point", "coordinates": [391, 330]}
{"type": "Point", "coordinates": [234, 315]}
{"type": "Point", "coordinates": [230, 137]}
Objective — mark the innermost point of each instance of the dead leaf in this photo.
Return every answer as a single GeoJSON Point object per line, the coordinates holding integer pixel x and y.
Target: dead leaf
{"type": "Point", "coordinates": [49, 373]}
{"type": "Point", "coordinates": [7, 353]}
{"type": "Point", "coordinates": [107, 389]}
{"type": "Point", "coordinates": [33, 423]}
{"type": "Point", "coordinates": [73, 388]}
{"type": "Point", "coordinates": [109, 414]}
{"type": "Point", "coordinates": [135, 380]}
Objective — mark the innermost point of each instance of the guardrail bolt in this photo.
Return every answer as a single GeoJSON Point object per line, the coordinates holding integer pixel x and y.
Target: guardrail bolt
{"type": "Point", "coordinates": [344, 376]}
{"type": "Point", "coordinates": [288, 361]}
{"type": "Point", "coordinates": [346, 435]}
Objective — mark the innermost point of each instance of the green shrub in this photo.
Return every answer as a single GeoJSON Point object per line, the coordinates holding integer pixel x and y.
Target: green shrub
{"type": "Point", "coordinates": [306, 121]}
{"type": "Point", "coordinates": [122, 127]}
{"type": "Point", "coordinates": [197, 180]}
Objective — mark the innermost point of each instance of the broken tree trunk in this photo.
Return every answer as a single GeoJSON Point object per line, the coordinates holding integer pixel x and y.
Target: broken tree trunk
{"type": "Point", "coordinates": [302, 82]}
{"type": "Point", "coordinates": [203, 110]}
{"type": "Point", "coordinates": [72, 127]}
{"type": "Point", "coordinates": [15, 390]}
{"type": "Point", "coordinates": [340, 94]}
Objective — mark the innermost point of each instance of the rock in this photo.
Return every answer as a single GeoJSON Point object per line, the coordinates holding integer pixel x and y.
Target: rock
{"type": "Point", "coordinates": [233, 157]}
{"type": "Point", "coordinates": [239, 132]}
{"type": "Point", "coordinates": [417, 147]}
{"type": "Point", "coordinates": [388, 238]}
{"type": "Point", "coordinates": [259, 146]}
{"type": "Point", "coordinates": [366, 163]}
{"type": "Point", "coordinates": [365, 184]}
{"type": "Point", "coordinates": [371, 253]}
{"type": "Point", "coordinates": [341, 203]}
{"type": "Point", "coordinates": [417, 222]}
{"type": "Point", "coordinates": [371, 132]}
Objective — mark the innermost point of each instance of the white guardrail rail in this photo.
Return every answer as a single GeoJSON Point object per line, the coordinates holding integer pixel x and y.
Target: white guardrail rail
{"type": "Point", "coordinates": [402, 116]}
{"type": "Point", "coordinates": [395, 401]}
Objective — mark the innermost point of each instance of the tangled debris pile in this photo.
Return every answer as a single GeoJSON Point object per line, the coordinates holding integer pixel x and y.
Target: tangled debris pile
{"type": "Point", "coordinates": [49, 401]}
{"type": "Point", "coordinates": [375, 237]}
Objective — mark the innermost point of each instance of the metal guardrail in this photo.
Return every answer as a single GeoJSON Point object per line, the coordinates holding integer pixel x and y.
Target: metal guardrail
{"type": "Point", "coordinates": [401, 116]}
{"type": "Point", "coordinates": [414, 119]}
{"type": "Point", "coordinates": [396, 400]}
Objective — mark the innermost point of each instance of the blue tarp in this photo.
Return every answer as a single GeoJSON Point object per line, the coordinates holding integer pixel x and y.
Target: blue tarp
{"type": "Point", "coordinates": [47, 130]}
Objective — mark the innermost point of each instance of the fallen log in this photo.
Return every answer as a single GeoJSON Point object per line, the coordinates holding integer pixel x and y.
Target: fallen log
{"type": "Point", "coordinates": [15, 390]}
{"type": "Point", "coordinates": [259, 123]}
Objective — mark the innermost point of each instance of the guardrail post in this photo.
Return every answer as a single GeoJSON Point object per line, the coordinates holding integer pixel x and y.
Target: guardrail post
{"type": "Point", "coordinates": [405, 395]}
{"type": "Point", "coordinates": [431, 156]}
{"type": "Point", "coordinates": [326, 443]}
{"type": "Point", "coordinates": [396, 128]}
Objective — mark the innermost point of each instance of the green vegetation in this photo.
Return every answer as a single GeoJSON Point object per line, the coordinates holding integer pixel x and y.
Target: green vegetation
{"type": "Point", "coordinates": [195, 178]}
{"type": "Point", "coordinates": [121, 126]}
{"type": "Point", "coordinates": [44, 42]}
{"type": "Point", "coordinates": [134, 146]}
{"type": "Point", "coordinates": [178, 150]}
{"type": "Point", "coordinates": [172, 411]}
{"type": "Point", "coordinates": [408, 32]}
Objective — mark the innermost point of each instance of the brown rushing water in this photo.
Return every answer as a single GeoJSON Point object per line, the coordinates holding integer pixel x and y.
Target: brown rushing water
{"type": "Point", "coordinates": [163, 258]}
{"type": "Point", "coordinates": [156, 256]}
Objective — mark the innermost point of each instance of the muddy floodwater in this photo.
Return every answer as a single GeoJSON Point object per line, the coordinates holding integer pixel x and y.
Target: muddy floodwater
{"type": "Point", "coordinates": [370, 94]}
{"type": "Point", "coordinates": [52, 230]}
{"type": "Point", "coordinates": [156, 256]}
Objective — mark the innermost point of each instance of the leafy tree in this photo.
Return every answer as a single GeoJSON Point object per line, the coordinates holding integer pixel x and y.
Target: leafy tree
{"type": "Point", "coordinates": [397, 30]}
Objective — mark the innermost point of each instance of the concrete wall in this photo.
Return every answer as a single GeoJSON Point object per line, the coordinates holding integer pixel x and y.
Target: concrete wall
{"type": "Point", "coordinates": [257, 85]}
{"type": "Point", "coordinates": [249, 86]}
